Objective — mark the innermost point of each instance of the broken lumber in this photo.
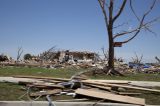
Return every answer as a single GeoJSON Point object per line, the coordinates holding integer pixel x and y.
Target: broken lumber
{"type": "Point", "coordinates": [48, 92]}
{"type": "Point", "coordinates": [109, 81]}
{"type": "Point", "coordinates": [122, 86]}
{"type": "Point", "coordinates": [100, 87]}
{"type": "Point", "coordinates": [39, 77]}
{"type": "Point", "coordinates": [72, 100]}
{"type": "Point", "coordinates": [45, 85]}
{"type": "Point", "coordinates": [136, 83]}
{"type": "Point", "coordinates": [17, 80]}
{"type": "Point", "coordinates": [112, 97]}
{"type": "Point", "coordinates": [128, 93]}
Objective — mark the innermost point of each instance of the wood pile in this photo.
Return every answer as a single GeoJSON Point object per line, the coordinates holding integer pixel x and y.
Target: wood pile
{"type": "Point", "coordinates": [108, 91]}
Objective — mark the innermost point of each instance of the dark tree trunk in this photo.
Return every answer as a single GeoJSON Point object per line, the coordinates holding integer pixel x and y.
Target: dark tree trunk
{"type": "Point", "coordinates": [111, 45]}
{"type": "Point", "coordinates": [111, 55]}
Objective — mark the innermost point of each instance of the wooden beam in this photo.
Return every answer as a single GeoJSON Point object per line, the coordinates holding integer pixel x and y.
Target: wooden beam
{"type": "Point", "coordinates": [122, 86]}
{"type": "Point", "coordinates": [48, 92]}
{"type": "Point", "coordinates": [100, 87]}
{"type": "Point", "coordinates": [44, 85]}
{"type": "Point", "coordinates": [128, 93]}
{"type": "Point", "coordinates": [112, 97]}
{"type": "Point", "coordinates": [40, 77]}
{"type": "Point", "coordinates": [109, 81]}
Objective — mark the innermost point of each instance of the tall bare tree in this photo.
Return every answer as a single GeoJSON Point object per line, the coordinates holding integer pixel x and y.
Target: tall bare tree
{"type": "Point", "coordinates": [157, 59]}
{"type": "Point", "coordinates": [19, 53]}
{"type": "Point", "coordinates": [137, 59]}
{"type": "Point", "coordinates": [109, 8]}
{"type": "Point", "coordinates": [105, 53]}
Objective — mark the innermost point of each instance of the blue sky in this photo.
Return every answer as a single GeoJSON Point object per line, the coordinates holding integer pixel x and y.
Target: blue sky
{"type": "Point", "coordinates": [37, 25]}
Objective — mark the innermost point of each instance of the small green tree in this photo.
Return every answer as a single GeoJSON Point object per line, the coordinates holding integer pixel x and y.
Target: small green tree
{"type": "Point", "coordinates": [27, 56]}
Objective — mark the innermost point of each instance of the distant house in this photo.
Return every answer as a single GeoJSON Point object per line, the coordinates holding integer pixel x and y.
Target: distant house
{"type": "Point", "coordinates": [76, 56]}
{"type": "Point", "coordinates": [65, 56]}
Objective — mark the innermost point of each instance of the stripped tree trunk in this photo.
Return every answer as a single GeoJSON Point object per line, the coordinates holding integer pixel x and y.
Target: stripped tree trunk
{"type": "Point", "coordinates": [111, 16]}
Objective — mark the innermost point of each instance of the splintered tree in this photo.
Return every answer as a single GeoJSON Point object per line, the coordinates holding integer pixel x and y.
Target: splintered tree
{"type": "Point", "coordinates": [112, 15]}
{"type": "Point", "coordinates": [19, 53]}
{"type": "Point", "coordinates": [137, 59]}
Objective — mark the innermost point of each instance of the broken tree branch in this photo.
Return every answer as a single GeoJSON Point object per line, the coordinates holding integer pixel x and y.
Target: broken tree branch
{"type": "Point", "coordinates": [102, 3]}
{"type": "Point", "coordinates": [120, 10]}
{"type": "Point", "coordinates": [133, 11]}
{"type": "Point", "coordinates": [20, 51]}
{"type": "Point", "coordinates": [139, 28]}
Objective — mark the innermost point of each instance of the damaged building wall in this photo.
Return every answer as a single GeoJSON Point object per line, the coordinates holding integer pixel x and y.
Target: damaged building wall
{"type": "Point", "coordinates": [77, 56]}
{"type": "Point", "coordinates": [68, 56]}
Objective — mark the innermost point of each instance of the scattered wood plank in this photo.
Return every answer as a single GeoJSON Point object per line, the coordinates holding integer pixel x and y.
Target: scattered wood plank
{"type": "Point", "coordinates": [109, 81]}
{"type": "Point", "coordinates": [39, 77]}
{"type": "Point", "coordinates": [128, 93]}
{"type": "Point", "coordinates": [51, 81]}
{"type": "Point", "coordinates": [136, 83]}
{"type": "Point", "coordinates": [100, 87]}
{"type": "Point", "coordinates": [48, 92]}
{"type": "Point", "coordinates": [44, 85]}
{"type": "Point", "coordinates": [122, 86]}
{"type": "Point", "coordinates": [112, 97]}
{"type": "Point", "coordinates": [147, 84]}
{"type": "Point", "coordinates": [72, 100]}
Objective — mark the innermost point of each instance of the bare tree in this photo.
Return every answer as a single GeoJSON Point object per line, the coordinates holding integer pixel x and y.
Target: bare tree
{"type": "Point", "coordinates": [111, 16]}
{"type": "Point", "coordinates": [157, 59]}
{"type": "Point", "coordinates": [19, 53]}
{"type": "Point", "coordinates": [105, 53]}
{"type": "Point", "coordinates": [49, 54]}
{"type": "Point", "coordinates": [137, 59]}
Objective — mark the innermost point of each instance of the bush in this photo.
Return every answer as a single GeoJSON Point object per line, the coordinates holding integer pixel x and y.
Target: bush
{"type": "Point", "coordinates": [27, 56]}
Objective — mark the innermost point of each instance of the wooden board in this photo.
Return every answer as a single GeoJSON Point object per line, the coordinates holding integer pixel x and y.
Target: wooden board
{"type": "Point", "coordinates": [112, 97]}
{"type": "Point", "coordinates": [122, 86]}
{"type": "Point", "coordinates": [128, 93]}
{"type": "Point", "coordinates": [136, 83]}
{"type": "Point", "coordinates": [48, 92]}
{"type": "Point", "coordinates": [109, 81]}
{"type": "Point", "coordinates": [39, 77]}
{"type": "Point", "coordinates": [47, 85]}
{"type": "Point", "coordinates": [100, 87]}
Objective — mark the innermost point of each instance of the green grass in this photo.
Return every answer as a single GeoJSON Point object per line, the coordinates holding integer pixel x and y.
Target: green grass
{"type": "Point", "coordinates": [63, 73]}
{"type": "Point", "coordinates": [68, 72]}
{"type": "Point", "coordinates": [134, 77]}
{"type": "Point", "coordinates": [9, 91]}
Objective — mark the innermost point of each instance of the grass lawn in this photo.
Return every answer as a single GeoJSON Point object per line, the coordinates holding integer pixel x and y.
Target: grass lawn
{"type": "Point", "coordinates": [63, 73]}
{"type": "Point", "coordinates": [133, 77]}
{"type": "Point", "coordinates": [9, 91]}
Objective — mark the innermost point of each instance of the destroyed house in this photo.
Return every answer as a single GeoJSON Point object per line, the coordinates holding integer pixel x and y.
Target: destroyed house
{"type": "Point", "coordinates": [76, 56]}
{"type": "Point", "coordinates": [64, 56]}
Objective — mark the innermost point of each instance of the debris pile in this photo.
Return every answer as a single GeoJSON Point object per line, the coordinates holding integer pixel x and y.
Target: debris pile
{"type": "Point", "coordinates": [85, 89]}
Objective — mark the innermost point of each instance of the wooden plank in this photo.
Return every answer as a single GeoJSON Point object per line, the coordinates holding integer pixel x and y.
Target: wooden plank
{"type": "Point", "coordinates": [128, 93]}
{"type": "Point", "coordinates": [145, 84]}
{"type": "Point", "coordinates": [134, 83]}
{"type": "Point", "coordinates": [46, 85]}
{"type": "Point", "coordinates": [109, 81]}
{"type": "Point", "coordinates": [51, 81]}
{"type": "Point", "coordinates": [72, 100]}
{"type": "Point", "coordinates": [48, 92]}
{"type": "Point", "coordinates": [122, 86]}
{"type": "Point", "coordinates": [100, 87]}
{"type": "Point", "coordinates": [40, 77]}
{"type": "Point", "coordinates": [112, 97]}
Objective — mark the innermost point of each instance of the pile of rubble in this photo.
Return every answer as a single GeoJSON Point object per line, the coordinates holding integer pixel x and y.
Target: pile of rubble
{"type": "Point", "coordinates": [85, 89]}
